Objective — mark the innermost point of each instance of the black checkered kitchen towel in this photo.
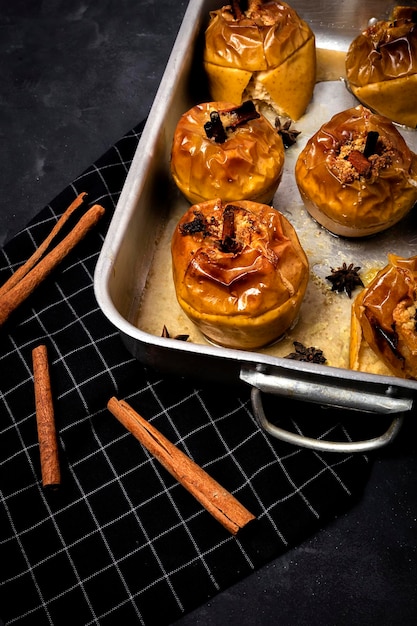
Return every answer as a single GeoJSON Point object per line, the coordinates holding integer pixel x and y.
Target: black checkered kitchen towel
{"type": "Point", "coordinates": [121, 542]}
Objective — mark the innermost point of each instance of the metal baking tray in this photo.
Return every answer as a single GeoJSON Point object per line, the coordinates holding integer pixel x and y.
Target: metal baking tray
{"type": "Point", "coordinates": [133, 273]}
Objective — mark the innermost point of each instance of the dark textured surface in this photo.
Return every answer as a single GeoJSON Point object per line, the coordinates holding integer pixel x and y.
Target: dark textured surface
{"type": "Point", "coordinates": [74, 78]}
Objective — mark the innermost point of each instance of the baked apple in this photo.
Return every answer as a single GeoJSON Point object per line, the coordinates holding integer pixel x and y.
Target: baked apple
{"type": "Point", "coordinates": [384, 318]}
{"type": "Point", "coordinates": [228, 151]}
{"type": "Point", "coordinates": [240, 272]}
{"type": "Point", "coordinates": [356, 174]}
{"type": "Point", "coordinates": [265, 53]}
{"type": "Point", "coordinates": [381, 66]}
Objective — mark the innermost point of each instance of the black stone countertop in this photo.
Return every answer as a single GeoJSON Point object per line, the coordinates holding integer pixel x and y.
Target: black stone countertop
{"type": "Point", "coordinates": [75, 76]}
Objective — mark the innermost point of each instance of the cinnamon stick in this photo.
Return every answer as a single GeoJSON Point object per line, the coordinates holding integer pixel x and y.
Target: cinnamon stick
{"type": "Point", "coordinates": [215, 499]}
{"type": "Point", "coordinates": [45, 419]}
{"type": "Point", "coordinates": [32, 260]}
{"type": "Point", "coordinates": [15, 291]}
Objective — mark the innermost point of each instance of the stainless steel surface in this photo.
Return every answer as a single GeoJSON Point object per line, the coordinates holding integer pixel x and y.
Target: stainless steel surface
{"type": "Point", "coordinates": [322, 444]}
{"type": "Point", "coordinates": [149, 196]}
{"type": "Point", "coordinates": [328, 391]}
{"type": "Point", "coordinates": [325, 390]}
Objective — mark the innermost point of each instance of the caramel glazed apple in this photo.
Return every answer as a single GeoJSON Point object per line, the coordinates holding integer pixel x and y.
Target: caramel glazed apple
{"type": "Point", "coordinates": [381, 66]}
{"type": "Point", "coordinates": [384, 318]}
{"type": "Point", "coordinates": [223, 150]}
{"type": "Point", "coordinates": [265, 53]}
{"type": "Point", "coordinates": [239, 270]}
{"type": "Point", "coordinates": [356, 174]}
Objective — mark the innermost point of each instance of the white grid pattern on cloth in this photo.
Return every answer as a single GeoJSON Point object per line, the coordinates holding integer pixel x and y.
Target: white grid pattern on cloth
{"type": "Point", "coordinates": [120, 531]}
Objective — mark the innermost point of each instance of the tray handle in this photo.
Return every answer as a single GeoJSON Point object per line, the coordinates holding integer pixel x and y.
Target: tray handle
{"type": "Point", "coordinates": [326, 395]}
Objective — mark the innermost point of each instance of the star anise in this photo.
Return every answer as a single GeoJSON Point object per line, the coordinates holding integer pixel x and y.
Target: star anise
{"type": "Point", "coordinates": [345, 278]}
{"type": "Point", "coordinates": [309, 355]}
{"type": "Point", "coordinates": [166, 334]}
{"type": "Point", "coordinates": [289, 135]}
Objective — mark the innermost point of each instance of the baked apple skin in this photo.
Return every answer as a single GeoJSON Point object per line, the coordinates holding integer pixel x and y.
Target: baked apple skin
{"type": "Point", "coordinates": [351, 194]}
{"type": "Point", "coordinates": [247, 165]}
{"type": "Point", "coordinates": [266, 53]}
{"type": "Point", "coordinates": [240, 272]}
{"type": "Point", "coordinates": [381, 66]}
{"type": "Point", "coordinates": [384, 317]}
